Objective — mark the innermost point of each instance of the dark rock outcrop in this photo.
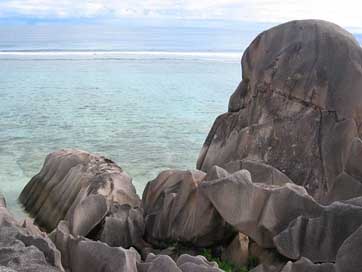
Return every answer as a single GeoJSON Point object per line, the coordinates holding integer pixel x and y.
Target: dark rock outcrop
{"type": "Point", "coordinates": [176, 211]}
{"type": "Point", "coordinates": [25, 249]}
{"type": "Point", "coordinates": [298, 109]}
{"type": "Point", "coordinates": [94, 195]}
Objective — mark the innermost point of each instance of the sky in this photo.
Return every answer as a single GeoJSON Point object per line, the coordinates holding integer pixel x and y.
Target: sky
{"type": "Point", "coordinates": [347, 13]}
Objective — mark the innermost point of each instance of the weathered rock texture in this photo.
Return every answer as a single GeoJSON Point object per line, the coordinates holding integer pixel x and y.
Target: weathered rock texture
{"type": "Point", "coordinates": [80, 254]}
{"type": "Point", "coordinates": [25, 249]}
{"type": "Point", "coordinates": [285, 216]}
{"type": "Point", "coordinates": [94, 195]}
{"type": "Point", "coordinates": [237, 252]}
{"type": "Point", "coordinates": [298, 109]}
{"type": "Point", "coordinates": [349, 255]}
{"type": "Point", "coordinates": [348, 259]}
{"type": "Point", "coordinates": [302, 265]}
{"type": "Point", "coordinates": [185, 263]}
{"type": "Point", "coordinates": [176, 211]}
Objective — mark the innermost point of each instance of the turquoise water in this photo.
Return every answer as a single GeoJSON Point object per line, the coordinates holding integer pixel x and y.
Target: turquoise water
{"type": "Point", "coordinates": [146, 111]}
{"type": "Point", "coordinates": [145, 97]}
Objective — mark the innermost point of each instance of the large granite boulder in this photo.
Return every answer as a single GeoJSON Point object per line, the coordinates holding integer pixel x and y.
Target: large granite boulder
{"type": "Point", "coordinates": [23, 248]}
{"type": "Point", "coordinates": [258, 210]}
{"type": "Point", "coordinates": [319, 238]}
{"type": "Point", "coordinates": [94, 195]}
{"type": "Point", "coordinates": [176, 211]}
{"type": "Point", "coordinates": [284, 216]}
{"type": "Point", "coordinates": [348, 258]}
{"type": "Point", "coordinates": [298, 109]}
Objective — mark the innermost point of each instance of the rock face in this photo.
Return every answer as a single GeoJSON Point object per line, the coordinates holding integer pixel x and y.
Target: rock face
{"type": "Point", "coordinates": [94, 195]}
{"type": "Point", "coordinates": [285, 216]}
{"type": "Point", "coordinates": [349, 255]}
{"type": "Point", "coordinates": [25, 249]}
{"type": "Point", "coordinates": [302, 265]}
{"type": "Point", "coordinates": [176, 211]}
{"type": "Point", "coordinates": [185, 263]}
{"type": "Point", "coordinates": [80, 254]}
{"type": "Point", "coordinates": [237, 252]}
{"type": "Point", "coordinates": [298, 109]}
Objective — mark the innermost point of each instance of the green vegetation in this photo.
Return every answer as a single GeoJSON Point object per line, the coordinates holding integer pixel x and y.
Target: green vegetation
{"type": "Point", "coordinates": [227, 266]}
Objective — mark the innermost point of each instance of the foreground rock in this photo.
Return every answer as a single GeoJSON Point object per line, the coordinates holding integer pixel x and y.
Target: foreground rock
{"type": "Point", "coordinates": [94, 195]}
{"type": "Point", "coordinates": [285, 217]}
{"type": "Point", "coordinates": [25, 248]}
{"type": "Point", "coordinates": [185, 263]}
{"type": "Point", "coordinates": [176, 211]}
{"type": "Point", "coordinates": [298, 109]}
{"type": "Point", "coordinates": [302, 265]}
{"type": "Point", "coordinates": [348, 259]}
{"type": "Point", "coordinates": [80, 254]}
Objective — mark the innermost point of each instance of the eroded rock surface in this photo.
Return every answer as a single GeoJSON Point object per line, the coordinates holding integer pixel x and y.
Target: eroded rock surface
{"type": "Point", "coordinates": [298, 109]}
{"type": "Point", "coordinates": [185, 263]}
{"type": "Point", "coordinates": [285, 217]}
{"type": "Point", "coordinates": [302, 265]}
{"type": "Point", "coordinates": [23, 249]}
{"type": "Point", "coordinates": [94, 195]}
{"type": "Point", "coordinates": [80, 254]}
{"type": "Point", "coordinates": [256, 209]}
{"type": "Point", "coordinates": [176, 211]}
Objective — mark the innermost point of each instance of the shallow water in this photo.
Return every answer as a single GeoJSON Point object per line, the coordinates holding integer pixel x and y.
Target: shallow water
{"type": "Point", "coordinates": [144, 97]}
{"type": "Point", "coordinates": [147, 112]}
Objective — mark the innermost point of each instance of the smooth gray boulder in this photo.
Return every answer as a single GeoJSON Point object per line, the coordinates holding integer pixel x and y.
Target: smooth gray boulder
{"type": "Point", "coordinates": [258, 210]}
{"type": "Point", "coordinates": [86, 190]}
{"type": "Point", "coordinates": [188, 263]}
{"type": "Point", "coordinates": [176, 211]}
{"type": "Point", "coordinates": [23, 249]}
{"type": "Point", "coordinates": [124, 226]}
{"type": "Point", "coordinates": [285, 217]}
{"type": "Point", "coordinates": [157, 263]}
{"type": "Point", "coordinates": [260, 172]}
{"type": "Point", "coordinates": [298, 109]}
{"type": "Point", "coordinates": [184, 263]}
{"type": "Point", "coordinates": [80, 254]}
{"type": "Point", "coordinates": [319, 238]}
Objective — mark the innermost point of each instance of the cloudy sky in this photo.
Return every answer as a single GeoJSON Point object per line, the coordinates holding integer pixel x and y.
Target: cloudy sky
{"type": "Point", "coordinates": [347, 13]}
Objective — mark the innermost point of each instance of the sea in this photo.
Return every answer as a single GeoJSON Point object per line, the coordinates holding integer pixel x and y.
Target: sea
{"type": "Point", "coordinates": [143, 96]}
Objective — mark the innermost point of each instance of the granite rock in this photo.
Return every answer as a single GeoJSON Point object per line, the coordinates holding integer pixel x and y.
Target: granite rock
{"type": "Point", "coordinates": [87, 191]}
{"type": "Point", "coordinates": [176, 211]}
{"type": "Point", "coordinates": [298, 109]}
